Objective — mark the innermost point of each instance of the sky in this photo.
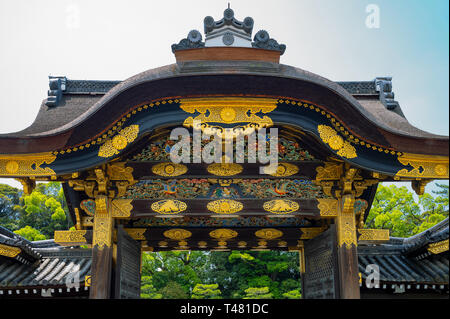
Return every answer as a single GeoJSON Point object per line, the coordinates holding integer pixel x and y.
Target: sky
{"type": "Point", "coordinates": [113, 40]}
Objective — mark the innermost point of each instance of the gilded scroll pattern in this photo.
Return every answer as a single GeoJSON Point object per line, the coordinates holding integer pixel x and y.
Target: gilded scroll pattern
{"type": "Point", "coordinates": [72, 237]}
{"type": "Point", "coordinates": [9, 251]}
{"type": "Point", "coordinates": [26, 165]}
{"type": "Point", "coordinates": [373, 234]}
{"type": "Point", "coordinates": [424, 166]}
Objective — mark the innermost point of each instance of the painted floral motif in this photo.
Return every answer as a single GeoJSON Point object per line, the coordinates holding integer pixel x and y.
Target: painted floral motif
{"type": "Point", "coordinates": [267, 188]}
{"type": "Point", "coordinates": [172, 188]}
{"type": "Point", "coordinates": [288, 150]}
{"type": "Point", "coordinates": [204, 188]}
{"type": "Point", "coordinates": [189, 221]}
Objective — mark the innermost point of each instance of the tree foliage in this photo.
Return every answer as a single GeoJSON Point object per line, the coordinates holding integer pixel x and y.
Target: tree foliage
{"type": "Point", "coordinates": [396, 209]}
{"type": "Point", "coordinates": [257, 293]}
{"type": "Point", "coordinates": [202, 291]}
{"type": "Point", "coordinates": [35, 216]}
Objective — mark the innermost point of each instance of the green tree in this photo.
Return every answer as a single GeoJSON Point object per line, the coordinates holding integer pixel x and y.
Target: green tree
{"type": "Point", "coordinates": [257, 293]}
{"type": "Point", "coordinates": [173, 290]}
{"type": "Point", "coordinates": [40, 213]}
{"type": "Point", "coordinates": [30, 233]}
{"type": "Point", "coordinates": [293, 294]}
{"type": "Point", "coordinates": [202, 291]}
{"type": "Point", "coordinates": [395, 208]}
{"type": "Point", "coordinates": [9, 206]}
{"type": "Point", "coordinates": [147, 289]}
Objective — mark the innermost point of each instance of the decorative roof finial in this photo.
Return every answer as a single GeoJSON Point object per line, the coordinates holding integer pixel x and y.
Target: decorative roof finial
{"type": "Point", "coordinates": [231, 32]}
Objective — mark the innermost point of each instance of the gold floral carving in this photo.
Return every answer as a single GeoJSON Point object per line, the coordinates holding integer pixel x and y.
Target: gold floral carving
{"type": "Point", "coordinates": [281, 206]}
{"type": "Point", "coordinates": [439, 247]}
{"type": "Point", "coordinates": [346, 223]}
{"type": "Point", "coordinates": [103, 223]}
{"type": "Point", "coordinates": [118, 171]}
{"type": "Point", "coordinates": [336, 142]}
{"type": "Point", "coordinates": [26, 164]}
{"type": "Point", "coordinates": [223, 234]}
{"type": "Point", "coordinates": [225, 169]}
{"type": "Point", "coordinates": [268, 233]}
{"type": "Point", "coordinates": [70, 237]}
{"type": "Point", "coordinates": [225, 206]}
{"type": "Point", "coordinates": [169, 169]}
{"type": "Point", "coordinates": [329, 172]}
{"type": "Point", "coordinates": [114, 145]}
{"type": "Point", "coordinates": [121, 208]}
{"type": "Point", "coordinates": [328, 207]}
{"type": "Point", "coordinates": [229, 110]}
{"type": "Point", "coordinates": [177, 234]}
{"type": "Point", "coordinates": [284, 169]}
{"type": "Point", "coordinates": [311, 232]}
{"type": "Point", "coordinates": [9, 251]}
{"type": "Point", "coordinates": [373, 234]}
{"type": "Point", "coordinates": [424, 166]}
{"type": "Point", "coordinates": [169, 206]}
{"type": "Point", "coordinates": [136, 233]}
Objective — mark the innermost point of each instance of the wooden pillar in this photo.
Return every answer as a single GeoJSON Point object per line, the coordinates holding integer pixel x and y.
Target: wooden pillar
{"type": "Point", "coordinates": [102, 250]}
{"type": "Point", "coordinates": [302, 266]}
{"type": "Point", "coordinates": [347, 248]}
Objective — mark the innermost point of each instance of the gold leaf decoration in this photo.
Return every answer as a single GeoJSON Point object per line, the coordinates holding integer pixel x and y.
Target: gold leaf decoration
{"type": "Point", "coordinates": [283, 170]}
{"type": "Point", "coordinates": [281, 206]}
{"type": "Point", "coordinates": [26, 164]}
{"type": "Point", "coordinates": [9, 251]}
{"type": "Point", "coordinates": [169, 206]}
{"type": "Point", "coordinates": [177, 234]}
{"type": "Point", "coordinates": [336, 142]}
{"type": "Point", "coordinates": [225, 169]}
{"type": "Point", "coordinates": [70, 237]}
{"type": "Point", "coordinates": [169, 169]}
{"type": "Point", "coordinates": [269, 233]}
{"type": "Point", "coordinates": [121, 208]}
{"type": "Point", "coordinates": [136, 233]}
{"type": "Point", "coordinates": [310, 232]}
{"type": "Point", "coordinates": [113, 146]}
{"type": "Point", "coordinates": [328, 207]}
{"type": "Point", "coordinates": [373, 234]}
{"type": "Point", "coordinates": [229, 110]}
{"type": "Point", "coordinates": [439, 247]}
{"type": "Point", "coordinates": [425, 166]}
{"type": "Point", "coordinates": [223, 234]}
{"type": "Point", "coordinates": [225, 206]}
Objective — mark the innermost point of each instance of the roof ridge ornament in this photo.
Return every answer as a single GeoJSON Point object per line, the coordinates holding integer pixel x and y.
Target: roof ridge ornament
{"type": "Point", "coordinates": [229, 32]}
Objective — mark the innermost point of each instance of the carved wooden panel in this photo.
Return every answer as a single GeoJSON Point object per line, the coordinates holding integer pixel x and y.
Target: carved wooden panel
{"type": "Point", "coordinates": [321, 273]}
{"type": "Point", "coordinates": [128, 265]}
